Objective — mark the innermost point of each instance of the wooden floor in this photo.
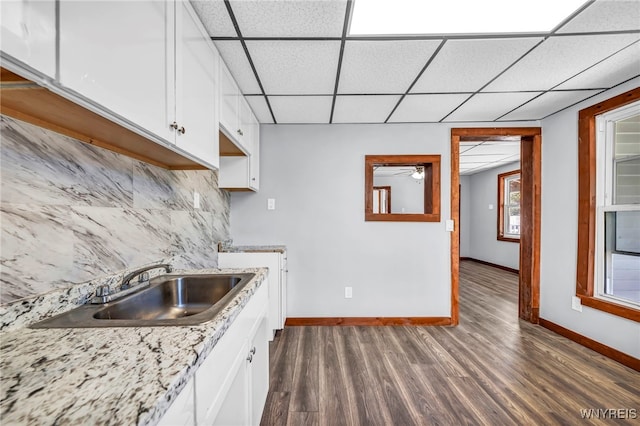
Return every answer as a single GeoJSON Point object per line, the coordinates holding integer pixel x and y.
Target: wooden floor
{"type": "Point", "coordinates": [492, 369]}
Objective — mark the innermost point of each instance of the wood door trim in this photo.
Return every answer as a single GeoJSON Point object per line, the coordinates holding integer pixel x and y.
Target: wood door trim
{"type": "Point", "coordinates": [367, 321]}
{"type": "Point", "coordinates": [531, 165]}
{"type": "Point", "coordinates": [605, 350]}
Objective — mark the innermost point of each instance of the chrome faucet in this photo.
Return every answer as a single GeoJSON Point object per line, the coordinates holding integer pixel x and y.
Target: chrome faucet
{"type": "Point", "coordinates": [144, 275]}
{"type": "Point", "coordinates": [104, 295]}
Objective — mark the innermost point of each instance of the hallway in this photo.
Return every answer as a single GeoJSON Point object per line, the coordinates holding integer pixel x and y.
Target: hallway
{"type": "Point", "coordinates": [492, 369]}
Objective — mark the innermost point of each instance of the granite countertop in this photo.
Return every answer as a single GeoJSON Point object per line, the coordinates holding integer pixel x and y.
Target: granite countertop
{"type": "Point", "coordinates": [254, 249]}
{"type": "Point", "coordinates": [118, 376]}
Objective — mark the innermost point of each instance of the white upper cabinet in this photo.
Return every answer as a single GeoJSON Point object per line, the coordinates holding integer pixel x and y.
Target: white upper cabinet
{"type": "Point", "coordinates": [29, 33]}
{"type": "Point", "coordinates": [149, 62]}
{"type": "Point", "coordinates": [106, 56]}
{"type": "Point", "coordinates": [229, 103]}
{"type": "Point", "coordinates": [196, 106]}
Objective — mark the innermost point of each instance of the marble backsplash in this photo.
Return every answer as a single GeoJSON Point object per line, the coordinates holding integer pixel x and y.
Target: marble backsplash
{"type": "Point", "coordinates": [72, 212]}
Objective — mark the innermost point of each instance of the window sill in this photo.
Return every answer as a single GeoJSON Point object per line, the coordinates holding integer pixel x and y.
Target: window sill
{"type": "Point", "coordinates": [508, 239]}
{"type": "Point", "coordinates": [611, 308]}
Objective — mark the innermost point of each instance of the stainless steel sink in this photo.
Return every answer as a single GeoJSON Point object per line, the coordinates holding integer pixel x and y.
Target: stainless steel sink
{"type": "Point", "coordinates": [168, 300]}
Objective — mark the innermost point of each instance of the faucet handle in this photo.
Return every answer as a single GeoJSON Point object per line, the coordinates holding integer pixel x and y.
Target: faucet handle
{"type": "Point", "coordinates": [143, 277]}
{"type": "Point", "coordinates": [103, 290]}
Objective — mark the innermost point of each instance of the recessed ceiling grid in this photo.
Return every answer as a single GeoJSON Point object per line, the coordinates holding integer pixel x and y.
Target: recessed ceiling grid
{"type": "Point", "coordinates": [583, 28]}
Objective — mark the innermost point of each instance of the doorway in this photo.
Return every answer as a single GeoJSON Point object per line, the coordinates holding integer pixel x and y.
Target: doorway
{"type": "Point", "coordinates": [530, 166]}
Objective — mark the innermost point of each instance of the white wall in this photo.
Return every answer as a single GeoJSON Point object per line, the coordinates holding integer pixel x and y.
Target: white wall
{"type": "Point", "coordinates": [465, 216]}
{"type": "Point", "coordinates": [482, 231]}
{"type": "Point", "coordinates": [316, 175]}
{"type": "Point", "coordinates": [559, 234]}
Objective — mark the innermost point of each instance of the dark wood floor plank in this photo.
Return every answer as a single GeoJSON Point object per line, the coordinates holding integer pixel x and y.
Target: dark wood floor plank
{"type": "Point", "coordinates": [276, 409]}
{"type": "Point", "coordinates": [304, 394]}
{"type": "Point", "coordinates": [492, 369]}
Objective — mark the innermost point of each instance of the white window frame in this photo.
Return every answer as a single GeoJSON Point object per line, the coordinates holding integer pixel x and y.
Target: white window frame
{"type": "Point", "coordinates": [605, 133]}
{"type": "Point", "coordinates": [507, 205]}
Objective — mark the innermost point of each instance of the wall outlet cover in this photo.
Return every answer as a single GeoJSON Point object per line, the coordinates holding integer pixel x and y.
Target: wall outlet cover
{"type": "Point", "coordinates": [576, 303]}
{"type": "Point", "coordinates": [348, 292]}
{"type": "Point", "coordinates": [196, 200]}
{"type": "Point", "coordinates": [271, 203]}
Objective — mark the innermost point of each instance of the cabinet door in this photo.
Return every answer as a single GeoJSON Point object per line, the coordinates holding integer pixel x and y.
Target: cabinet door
{"type": "Point", "coordinates": [254, 160]}
{"type": "Point", "coordinates": [229, 98]}
{"type": "Point", "coordinates": [119, 55]}
{"type": "Point", "coordinates": [234, 410]}
{"type": "Point", "coordinates": [182, 410]}
{"type": "Point", "coordinates": [196, 75]}
{"type": "Point", "coordinates": [259, 366]}
{"type": "Point", "coordinates": [29, 33]}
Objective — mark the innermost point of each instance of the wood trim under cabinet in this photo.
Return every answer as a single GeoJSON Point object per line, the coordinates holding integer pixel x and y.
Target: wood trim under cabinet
{"type": "Point", "coordinates": [601, 348]}
{"type": "Point", "coordinates": [367, 321]}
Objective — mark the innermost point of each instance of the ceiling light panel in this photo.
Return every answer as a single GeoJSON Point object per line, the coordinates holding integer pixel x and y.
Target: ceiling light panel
{"type": "Point", "coordinates": [215, 18]}
{"type": "Point", "coordinates": [467, 65]}
{"type": "Point", "coordinates": [489, 106]}
{"type": "Point", "coordinates": [606, 15]}
{"type": "Point", "coordinates": [296, 67]}
{"type": "Point", "coordinates": [286, 18]}
{"type": "Point", "coordinates": [383, 66]}
{"type": "Point", "coordinates": [557, 59]}
{"type": "Point", "coordinates": [364, 109]}
{"type": "Point", "coordinates": [458, 16]}
{"type": "Point", "coordinates": [620, 67]}
{"type": "Point", "coordinates": [233, 55]}
{"type": "Point", "coordinates": [547, 104]}
{"type": "Point", "coordinates": [301, 109]}
{"type": "Point", "coordinates": [426, 108]}
{"type": "Point", "coordinates": [260, 108]}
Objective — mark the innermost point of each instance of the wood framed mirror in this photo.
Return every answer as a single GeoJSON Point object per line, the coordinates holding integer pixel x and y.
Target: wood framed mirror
{"type": "Point", "coordinates": [402, 188]}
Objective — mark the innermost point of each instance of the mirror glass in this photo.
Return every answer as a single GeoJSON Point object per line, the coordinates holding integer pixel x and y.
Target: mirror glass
{"type": "Point", "coordinates": [402, 188]}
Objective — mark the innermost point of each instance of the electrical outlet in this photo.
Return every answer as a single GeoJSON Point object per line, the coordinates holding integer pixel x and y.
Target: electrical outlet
{"type": "Point", "coordinates": [576, 303]}
{"type": "Point", "coordinates": [271, 203]}
{"type": "Point", "coordinates": [448, 225]}
{"type": "Point", "coordinates": [348, 292]}
{"type": "Point", "coordinates": [490, 206]}
{"type": "Point", "coordinates": [196, 200]}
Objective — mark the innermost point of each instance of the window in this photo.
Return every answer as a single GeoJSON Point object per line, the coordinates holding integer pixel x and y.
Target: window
{"type": "Point", "coordinates": [509, 206]}
{"type": "Point", "coordinates": [618, 206]}
{"type": "Point", "coordinates": [608, 263]}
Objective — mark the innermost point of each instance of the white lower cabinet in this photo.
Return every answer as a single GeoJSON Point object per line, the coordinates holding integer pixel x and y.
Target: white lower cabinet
{"type": "Point", "coordinates": [277, 280]}
{"type": "Point", "coordinates": [231, 385]}
{"type": "Point", "coordinates": [182, 412]}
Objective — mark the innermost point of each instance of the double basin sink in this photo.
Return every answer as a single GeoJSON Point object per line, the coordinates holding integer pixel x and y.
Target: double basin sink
{"type": "Point", "coordinates": [168, 300]}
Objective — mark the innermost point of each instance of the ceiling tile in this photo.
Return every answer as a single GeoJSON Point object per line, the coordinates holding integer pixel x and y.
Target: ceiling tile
{"type": "Point", "coordinates": [467, 65]}
{"type": "Point", "coordinates": [260, 108]}
{"type": "Point", "coordinates": [307, 18]}
{"type": "Point", "coordinates": [383, 66]}
{"type": "Point", "coordinates": [481, 159]}
{"type": "Point", "coordinates": [296, 67]}
{"type": "Point", "coordinates": [504, 149]}
{"type": "Point", "coordinates": [426, 108]}
{"type": "Point", "coordinates": [547, 104]}
{"type": "Point", "coordinates": [558, 59]}
{"type": "Point", "coordinates": [214, 17]}
{"type": "Point", "coordinates": [364, 109]}
{"type": "Point", "coordinates": [301, 109]}
{"type": "Point", "coordinates": [606, 15]}
{"type": "Point", "coordinates": [618, 68]}
{"type": "Point", "coordinates": [233, 55]}
{"type": "Point", "coordinates": [489, 106]}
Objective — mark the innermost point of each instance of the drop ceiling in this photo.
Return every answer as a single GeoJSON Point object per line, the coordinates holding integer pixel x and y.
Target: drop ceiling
{"type": "Point", "coordinates": [480, 156]}
{"type": "Point", "coordinates": [296, 63]}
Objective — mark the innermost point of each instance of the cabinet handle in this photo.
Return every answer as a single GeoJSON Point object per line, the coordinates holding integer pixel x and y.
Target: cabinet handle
{"type": "Point", "coordinates": [173, 126]}
{"type": "Point", "coordinates": [182, 130]}
{"type": "Point", "coordinates": [240, 132]}
{"type": "Point", "coordinates": [253, 350]}
{"type": "Point", "coordinates": [250, 358]}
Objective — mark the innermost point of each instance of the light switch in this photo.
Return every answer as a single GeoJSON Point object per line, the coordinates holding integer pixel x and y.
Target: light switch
{"type": "Point", "coordinates": [490, 206]}
{"type": "Point", "coordinates": [196, 200]}
{"type": "Point", "coordinates": [448, 225]}
{"type": "Point", "coordinates": [271, 203]}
